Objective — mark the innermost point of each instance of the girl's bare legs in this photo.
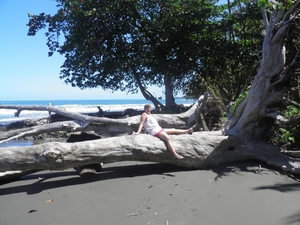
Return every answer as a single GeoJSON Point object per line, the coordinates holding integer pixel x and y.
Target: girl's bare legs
{"type": "Point", "coordinates": [178, 131]}
{"type": "Point", "coordinates": [165, 137]}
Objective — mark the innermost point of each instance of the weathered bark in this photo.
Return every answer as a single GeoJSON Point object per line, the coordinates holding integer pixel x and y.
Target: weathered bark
{"type": "Point", "coordinates": [200, 150]}
{"type": "Point", "coordinates": [270, 83]}
{"type": "Point", "coordinates": [89, 168]}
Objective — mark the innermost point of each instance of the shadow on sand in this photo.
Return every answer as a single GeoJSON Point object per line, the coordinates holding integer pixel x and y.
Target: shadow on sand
{"type": "Point", "coordinates": [46, 180]}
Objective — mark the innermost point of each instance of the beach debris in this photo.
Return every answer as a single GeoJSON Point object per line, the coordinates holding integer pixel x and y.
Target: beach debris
{"type": "Point", "coordinates": [218, 176]}
{"type": "Point", "coordinates": [138, 212]}
{"type": "Point", "coordinates": [290, 175]}
{"type": "Point", "coordinates": [188, 189]}
{"type": "Point", "coordinates": [150, 186]}
{"type": "Point", "coordinates": [259, 169]}
{"type": "Point", "coordinates": [171, 194]}
{"type": "Point", "coordinates": [149, 222]}
{"type": "Point", "coordinates": [167, 222]}
{"type": "Point", "coordinates": [50, 200]}
{"type": "Point", "coordinates": [32, 210]}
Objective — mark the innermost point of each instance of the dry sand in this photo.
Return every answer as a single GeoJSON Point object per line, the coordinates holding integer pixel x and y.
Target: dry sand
{"type": "Point", "coordinates": [129, 193]}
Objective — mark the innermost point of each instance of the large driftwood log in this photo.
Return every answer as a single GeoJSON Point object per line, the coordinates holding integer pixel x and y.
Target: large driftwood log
{"type": "Point", "coordinates": [200, 150]}
{"type": "Point", "coordinates": [87, 123]}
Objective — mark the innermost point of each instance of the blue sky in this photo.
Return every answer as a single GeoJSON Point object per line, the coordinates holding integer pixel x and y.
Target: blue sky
{"type": "Point", "coordinates": [26, 71]}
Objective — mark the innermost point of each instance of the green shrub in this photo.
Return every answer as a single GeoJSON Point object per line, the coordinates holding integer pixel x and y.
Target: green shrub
{"type": "Point", "coordinates": [291, 111]}
{"type": "Point", "coordinates": [288, 134]}
{"type": "Point", "coordinates": [238, 101]}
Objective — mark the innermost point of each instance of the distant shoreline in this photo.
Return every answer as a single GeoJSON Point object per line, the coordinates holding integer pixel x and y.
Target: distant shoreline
{"type": "Point", "coordinates": [80, 106]}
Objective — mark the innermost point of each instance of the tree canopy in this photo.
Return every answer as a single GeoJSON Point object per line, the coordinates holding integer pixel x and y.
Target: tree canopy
{"type": "Point", "coordinates": [127, 45]}
{"type": "Point", "coordinates": [188, 46]}
{"type": "Point", "coordinates": [233, 49]}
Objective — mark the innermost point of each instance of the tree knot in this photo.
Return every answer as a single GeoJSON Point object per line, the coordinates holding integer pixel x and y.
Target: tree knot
{"type": "Point", "coordinates": [53, 154]}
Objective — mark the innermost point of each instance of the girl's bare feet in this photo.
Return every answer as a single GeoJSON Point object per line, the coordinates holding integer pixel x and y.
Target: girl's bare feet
{"type": "Point", "coordinates": [176, 156]}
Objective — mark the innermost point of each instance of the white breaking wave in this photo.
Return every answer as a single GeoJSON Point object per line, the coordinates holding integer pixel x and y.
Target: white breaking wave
{"type": "Point", "coordinates": [8, 115]}
{"type": "Point", "coordinates": [79, 106]}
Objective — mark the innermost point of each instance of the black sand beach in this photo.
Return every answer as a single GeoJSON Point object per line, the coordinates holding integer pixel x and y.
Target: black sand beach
{"type": "Point", "coordinates": [131, 193]}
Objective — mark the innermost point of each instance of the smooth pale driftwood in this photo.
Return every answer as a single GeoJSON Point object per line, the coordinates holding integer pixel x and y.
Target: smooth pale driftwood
{"type": "Point", "coordinates": [101, 124]}
{"type": "Point", "coordinates": [84, 123]}
{"type": "Point", "coordinates": [70, 126]}
{"type": "Point", "coordinates": [271, 82]}
{"type": "Point", "coordinates": [200, 150]}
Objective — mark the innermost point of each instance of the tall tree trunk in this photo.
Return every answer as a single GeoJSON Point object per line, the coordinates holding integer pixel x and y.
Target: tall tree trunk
{"type": "Point", "coordinates": [169, 91]}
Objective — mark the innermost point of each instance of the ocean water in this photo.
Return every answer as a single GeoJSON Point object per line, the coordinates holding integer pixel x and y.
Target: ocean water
{"type": "Point", "coordinates": [80, 106]}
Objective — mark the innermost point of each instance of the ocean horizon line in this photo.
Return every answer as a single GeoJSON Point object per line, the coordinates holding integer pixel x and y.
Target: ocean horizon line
{"type": "Point", "coordinates": [73, 99]}
{"type": "Point", "coordinates": [86, 99]}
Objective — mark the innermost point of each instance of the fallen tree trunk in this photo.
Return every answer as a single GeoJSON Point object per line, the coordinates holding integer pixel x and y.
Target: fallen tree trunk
{"type": "Point", "coordinates": [200, 150]}
{"type": "Point", "coordinates": [82, 123]}
{"type": "Point", "coordinates": [102, 124]}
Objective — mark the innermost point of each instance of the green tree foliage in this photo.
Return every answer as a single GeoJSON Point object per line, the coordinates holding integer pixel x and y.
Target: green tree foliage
{"type": "Point", "coordinates": [288, 134]}
{"type": "Point", "coordinates": [127, 44]}
{"type": "Point", "coordinates": [232, 49]}
{"type": "Point", "coordinates": [238, 101]}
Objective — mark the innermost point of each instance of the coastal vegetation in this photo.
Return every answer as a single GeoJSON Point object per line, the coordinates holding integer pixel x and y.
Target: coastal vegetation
{"type": "Point", "coordinates": [187, 47]}
{"type": "Point", "coordinates": [244, 53]}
